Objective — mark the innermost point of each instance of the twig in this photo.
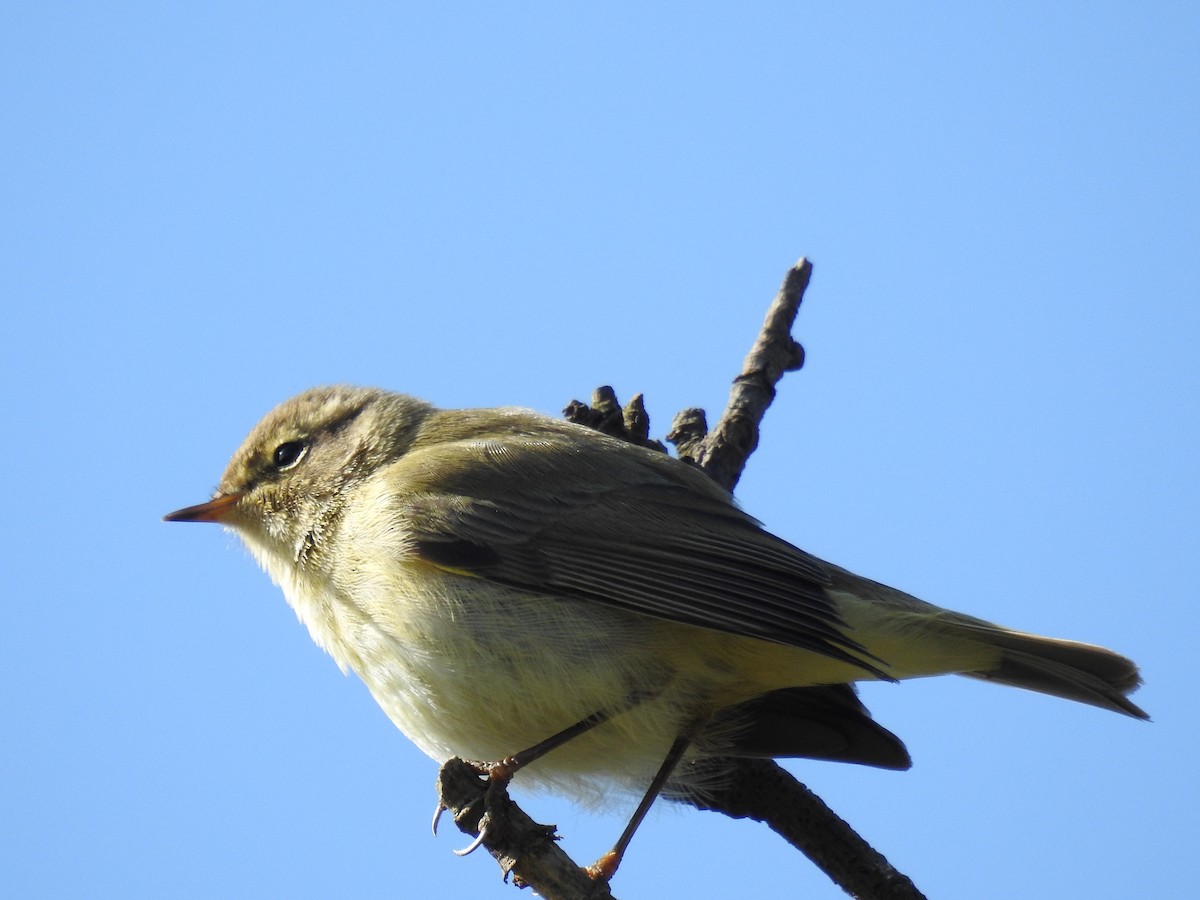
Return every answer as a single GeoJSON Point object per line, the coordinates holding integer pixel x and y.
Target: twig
{"type": "Point", "coordinates": [762, 790]}
{"type": "Point", "coordinates": [722, 452]}
{"type": "Point", "coordinates": [630, 424]}
{"type": "Point", "coordinates": [525, 850]}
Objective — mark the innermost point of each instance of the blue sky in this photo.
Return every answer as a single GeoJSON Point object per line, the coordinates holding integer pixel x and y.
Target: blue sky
{"type": "Point", "coordinates": [204, 210]}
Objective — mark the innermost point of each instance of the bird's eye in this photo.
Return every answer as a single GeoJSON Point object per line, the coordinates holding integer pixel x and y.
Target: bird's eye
{"type": "Point", "coordinates": [288, 454]}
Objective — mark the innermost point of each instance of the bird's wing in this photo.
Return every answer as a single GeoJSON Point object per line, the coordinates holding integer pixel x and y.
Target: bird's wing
{"type": "Point", "coordinates": [643, 533]}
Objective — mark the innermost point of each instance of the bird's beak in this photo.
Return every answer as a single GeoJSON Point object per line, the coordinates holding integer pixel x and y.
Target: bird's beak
{"type": "Point", "coordinates": [218, 509]}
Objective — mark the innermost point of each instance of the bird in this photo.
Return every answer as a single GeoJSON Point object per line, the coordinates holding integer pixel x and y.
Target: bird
{"type": "Point", "coordinates": [582, 614]}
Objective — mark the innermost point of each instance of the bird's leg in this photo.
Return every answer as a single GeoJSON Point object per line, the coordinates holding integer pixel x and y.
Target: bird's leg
{"type": "Point", "coordinates": [606, 866]}
{"type": "Point", "coordinates": [501, 772]}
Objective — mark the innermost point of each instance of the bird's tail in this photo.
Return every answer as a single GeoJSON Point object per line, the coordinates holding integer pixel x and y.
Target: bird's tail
{"type": "Point", "coordinates": [914, 638]}
{"type": "Point", "coordinates": [1069, 669]}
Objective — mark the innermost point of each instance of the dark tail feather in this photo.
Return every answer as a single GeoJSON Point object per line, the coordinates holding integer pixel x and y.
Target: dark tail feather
{"type": "Point", "coordinates": [1066, 669]}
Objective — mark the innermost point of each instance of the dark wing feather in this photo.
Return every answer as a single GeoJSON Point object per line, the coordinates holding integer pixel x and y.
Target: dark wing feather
{"type": "Point", "coordinates": [642, 532]}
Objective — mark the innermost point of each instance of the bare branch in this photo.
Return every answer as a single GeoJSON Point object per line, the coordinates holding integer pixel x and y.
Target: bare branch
{"type": "Point", "coordinates": [525, 850]}
{"type": "Point", "coordinates": [630, 424]}
{"type": "Point", "coordinates": [762, 790]}
{"type": "Point", "coordinates": [723, 452]}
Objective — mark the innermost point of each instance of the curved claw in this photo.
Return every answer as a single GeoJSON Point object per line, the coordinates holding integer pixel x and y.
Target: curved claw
{"type": "Point", "coordinates": [437, 816]}
{"type": "Point", "coordinates": [475, 844]}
